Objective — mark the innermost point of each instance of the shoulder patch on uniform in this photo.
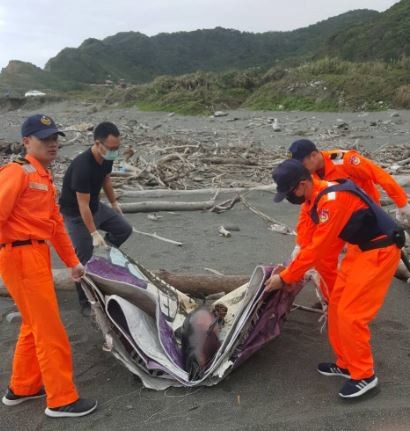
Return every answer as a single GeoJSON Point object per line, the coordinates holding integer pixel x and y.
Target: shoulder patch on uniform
{"type": "Point", "coordinates": [21, 161]}
{"type": "Point", "coordinates": [25, 164]}
{"type": "Point", "coordinates": [354, 160]}
{"type": "Point", "coordinates": [29, 168]}
{"type": "Point", "coordinates": [38, 186]}
{"type": "Point", "coordinates": [323, 215]}
{"type": "Point", "coordinates": [337, 155]}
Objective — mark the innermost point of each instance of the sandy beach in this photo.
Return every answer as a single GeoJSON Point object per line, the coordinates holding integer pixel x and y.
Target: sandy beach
{"type": "Point", "coordinates": [279, 387]}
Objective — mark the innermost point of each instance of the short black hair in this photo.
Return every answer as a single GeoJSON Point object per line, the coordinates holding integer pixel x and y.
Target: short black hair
{"type": "Point", "coordinates": [104, 129]}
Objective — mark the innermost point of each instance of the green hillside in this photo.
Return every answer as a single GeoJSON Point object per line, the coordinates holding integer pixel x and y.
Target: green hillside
{"type": "Point", "coordinates": [387, 37]}
{"type": "Point", "coordinates": [139, 58]}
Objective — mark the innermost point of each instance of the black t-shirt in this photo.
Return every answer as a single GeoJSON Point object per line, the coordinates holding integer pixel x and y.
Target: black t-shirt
{"type": "Point", "coordinates": [84, 175]}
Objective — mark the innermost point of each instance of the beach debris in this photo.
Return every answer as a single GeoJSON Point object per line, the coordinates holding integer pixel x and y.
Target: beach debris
{"type": "Point", "coordinates": [220, 114]}
{"type": "Point", "coordinates": [154, 217]}
{"type": "Point", "coordinates": [161, 238]}
{"type": "Point", "coordinates": [275, 125]}
{"type": "Point", "coordinates": [281, 228]}
{"type": "Point", "coordinates": [8, 147]}
{"type": "Point", "coordinates": [275, 225]}
{"type": "Point", "coordinates": [224, 232]}
{"type": "Point", "coordinates": [14, 317]}
{"type": "Point", "coordinates": [232, 227]}
{"type": "Point", "coordinates": [81, 127]}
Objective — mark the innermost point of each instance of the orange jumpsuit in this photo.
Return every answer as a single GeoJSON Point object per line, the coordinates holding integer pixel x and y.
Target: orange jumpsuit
{"type": "Point", "coordinates": [361, 283]}
{"type": "Point", "coordinates": [28, 211]}
{"type": "Point", "coordinates": [341, 164]}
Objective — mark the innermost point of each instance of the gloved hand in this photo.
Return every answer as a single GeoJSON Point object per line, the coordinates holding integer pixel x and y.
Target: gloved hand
{"type": "Point", "coordinates": [116, 207]}
{"type": "Point", "coordinates": [77, 272]}
{"type": "Point", "coordinates": [403, 215]}
{"type": "Point", "coordinates": [295, 252]}
{"type": "Point", "coordinates": [98, 240]}
{"type": "Point", "coordinates": [274, 283]}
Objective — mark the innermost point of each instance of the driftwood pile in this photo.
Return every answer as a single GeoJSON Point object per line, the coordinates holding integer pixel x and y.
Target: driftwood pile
{"type": "Point", "coordinates": [184, 164]}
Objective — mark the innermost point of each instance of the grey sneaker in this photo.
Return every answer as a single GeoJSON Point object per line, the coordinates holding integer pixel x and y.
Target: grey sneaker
{"type": "Point", "coordinates": [11, 399]}
{"type": "Point", "coordinates": [78, 408]}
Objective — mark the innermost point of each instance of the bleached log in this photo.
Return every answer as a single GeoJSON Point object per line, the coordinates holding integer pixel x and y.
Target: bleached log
{"type": "Point", "coordinates": [155, 206]}
{"type": "Point", "coordinates": [157, 193]}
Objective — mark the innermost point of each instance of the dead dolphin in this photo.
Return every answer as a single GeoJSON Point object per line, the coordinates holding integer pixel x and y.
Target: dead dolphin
{"type": "Point", "coordinates": [199, 339]}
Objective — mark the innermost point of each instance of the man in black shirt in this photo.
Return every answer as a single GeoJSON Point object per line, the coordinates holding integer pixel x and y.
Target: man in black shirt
{"type": "Point", "coordinates": [79, 201]}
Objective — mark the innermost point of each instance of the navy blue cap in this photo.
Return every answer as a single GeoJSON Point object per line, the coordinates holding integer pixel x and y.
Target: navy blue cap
{"type": "Point", "coordinates": [41, 126]}
{"type": "Point", "coordinates": [301, 148]}
{"type": "Point", "coordinates": [287, 176]}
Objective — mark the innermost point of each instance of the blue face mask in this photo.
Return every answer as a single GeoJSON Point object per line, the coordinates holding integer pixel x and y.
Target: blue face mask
{"type": "Point", "coordinates": [111, 155]}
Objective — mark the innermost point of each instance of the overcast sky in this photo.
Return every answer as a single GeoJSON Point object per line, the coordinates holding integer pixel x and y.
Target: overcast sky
{"type": "Point", "coordinates": [35, 30]}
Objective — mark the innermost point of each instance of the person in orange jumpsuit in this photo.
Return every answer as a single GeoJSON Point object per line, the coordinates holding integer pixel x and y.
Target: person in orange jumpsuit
{"type": "Point", "coordinates": [29, 221]}
{"type": "Point", "coordinates": [343, 212]}
{"type": "Point", "coordinates": [342, 164]}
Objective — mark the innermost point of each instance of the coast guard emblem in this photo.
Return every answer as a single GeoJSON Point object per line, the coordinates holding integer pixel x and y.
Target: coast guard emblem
{"type": "Point", "coordinates": [323, 216]}
{"type": "Point", "coordinates": [45, 120]}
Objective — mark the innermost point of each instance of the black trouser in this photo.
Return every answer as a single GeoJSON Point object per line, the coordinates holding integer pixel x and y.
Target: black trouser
{"type": "Point", "coordinates": [106, 219]}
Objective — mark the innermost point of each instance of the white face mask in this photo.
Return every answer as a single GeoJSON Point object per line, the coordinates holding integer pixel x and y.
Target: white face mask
{"type": "Point", "coordinates": [111, 155]}
{"type": "Point", "coordinates": [108, 154]}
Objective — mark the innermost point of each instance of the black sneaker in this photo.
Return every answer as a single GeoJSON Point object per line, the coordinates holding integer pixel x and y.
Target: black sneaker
{"type": "Point", "coordinates": [78, 408]}
{"type": "Point", "coordinates": [11, 399]}
{"type": "Point", "coordinates": [356, 388]}
{"type": "Point", "coordinates": [331, 369]}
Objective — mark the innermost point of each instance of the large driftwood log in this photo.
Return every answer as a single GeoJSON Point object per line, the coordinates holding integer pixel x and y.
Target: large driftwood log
{"type": "Point", "coordinates": [154, 206]}
{"type": "Point", "coordinates": [193, 284]}
{"type": "Point", "coordinates": [203, 284]}
{"type": "Point", "coordinates": [158, 193]}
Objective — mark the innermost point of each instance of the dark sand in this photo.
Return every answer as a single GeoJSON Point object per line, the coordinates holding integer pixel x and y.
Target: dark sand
{"type": "Point", "coordinates": [278, 388]}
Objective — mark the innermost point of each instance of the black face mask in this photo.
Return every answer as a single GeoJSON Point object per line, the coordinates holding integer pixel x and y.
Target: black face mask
{"type": "Point", "coordinates": [293, 199]}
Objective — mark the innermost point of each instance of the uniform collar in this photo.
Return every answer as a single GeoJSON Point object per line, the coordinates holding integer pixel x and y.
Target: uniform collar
{"type": "Point", "coordinates": [38, 166]}
{"type": "Point", "coordinates": [328, 166]}
{"type": "Point", "coordinates": [318, 186]}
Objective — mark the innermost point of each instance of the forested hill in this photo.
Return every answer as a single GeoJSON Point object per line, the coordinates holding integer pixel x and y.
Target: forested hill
{"type": "Point", "coordinates": [136, 57]}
